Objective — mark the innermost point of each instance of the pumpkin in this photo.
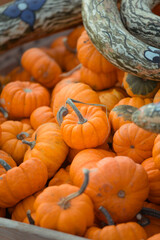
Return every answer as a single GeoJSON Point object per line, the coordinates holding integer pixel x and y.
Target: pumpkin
{"type": "Point", "coordinates": [48, 145]}
{"type": "Point", "coordinates": [20, 210]}
{"type": "Point", "coordinates": [134, 142]}
{"type": "Point", "coordinates": [90, 57]}
{"type": "Point", "coordinates": [41, 115]}
{"type": "Point", "coordinates": [156, 151]}
{"type": "Point", "coordinates": [85, 127]}
{"type": "Point", "coordinates": [20, 74]}
{"type": "Point", "coordinates": [117, 119]}
{"type": "Point", "coordinates": [65, 208]}
{"type": "Point", "coordinates": [30, 175]}
{"type": "Point", "coordinates": [3, 115]}
{"type": "Point", "coordinates": [110, 97]}
{"type": "Point", "coordinates": [116, 183]}
{"type": "Point", "coordinates": [8, 159]}
{"type": "Point", "coordinates": [120, 76]}
{"type": "Point", "coordinates": [155, 237]}
{"type": "Point", "coordinates": [26, 120]}
{"type": "Point", "coordinates": [98, 81]}
{"type": "Point", "coordinates": [20, 99]}
{"type": "Point", "coordinates": [156, 98]}
{"type": "Point", "coordinates": [119, 232]}
{"type": "Point", "coordinates": [74, 35]}
{"type": "Point", "coordinates": [77, 91]}
{"type": "Point", "coordinates": [138, 87]}
{"type": "Point", "coordinates": [61, 177]}
{"type": "Point", "coordinates": [11, 139]}
{"type": "Point", "coordinates": [42, 67]}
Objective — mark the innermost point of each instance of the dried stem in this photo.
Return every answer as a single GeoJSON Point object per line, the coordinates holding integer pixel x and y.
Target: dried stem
{"type": "Point", "coordinates": [22, 135]}
{"type": "Point", "coordinates": [30, 219]}
{"type": "Point", "coordinates": [5, 164]}
{"type": "Point", "coordinates": [107, 215]}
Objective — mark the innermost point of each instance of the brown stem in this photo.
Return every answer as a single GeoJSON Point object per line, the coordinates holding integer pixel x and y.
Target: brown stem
{"type": "Point", "coordinates": [30, 219]}
{"type": "Point", "coordinates": [5, 164]}
{"type": "Point", "coordinates": [65, 202]}
{"type": "Point", "coordinates": [63, 111]}
{"type": "Point", "coordinates": [72, 50]}
{"type": "Point", "coordinates": [67, 74]}
{"type": "Point", "coordinates": [4, 112]}
{"type": "Point", "coordinates": [107, 215]}
{"type": "Point", "coordinates": [75, 109]}
{"type": "Point", "coordinates": [22, 135]}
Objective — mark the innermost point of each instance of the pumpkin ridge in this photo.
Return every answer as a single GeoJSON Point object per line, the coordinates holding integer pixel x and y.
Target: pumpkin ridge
{"type": "Point", "coordinates": [26, 175]}
{"type": "Point", "coordinates": [11, 193]}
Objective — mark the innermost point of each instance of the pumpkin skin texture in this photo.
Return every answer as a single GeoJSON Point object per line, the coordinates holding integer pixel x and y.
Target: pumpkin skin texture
{"type": "Point", "coordinates": [154, 180]}
{"type": "Point", "coordinates": [155, 237]}
{"type": "Point", "coordinates": [134, 142]}
{"type": "Point", "coordinates": [90, 132]}
{"type": "Point", "coordinates": [61, 177]}
{"type": "Point", "coordinates": [48, 146]}
{"type": "Point", "coordinates": [90, 57]}
{"type": "Point", "coordinates": [74, 219]}
{"type": "Point", "coordinates": [138, 87]}
{"type": "Point", "coordinates": [98, 81]}
{"type": "Point", "coordinates": [122, 231]}
{"type": "Point", "coordinates": [156, 98]}
{"type": "Point", "coordinates": [156, 151]}
{"type": "Point", "coordinates": [20, 99]}
{"type": "Point", "coordinates": [41, 115]}
{"type": "Point", "coordinates": [8, 159]}
{"type": "Point", "coordinates": [43, 68]}
{"type": "Point", "coordinates": [11, 139]}
{"type": "Point", "coordinates": [117, 183]}
{"type": "Point", "coordinates": [116, 119]}
{"type": "Point", "coordinates": [31, 175]}
{"type": "Point", "coordinates": [19, 74]}
{"type": "Point", "coordinates": [77, 91]}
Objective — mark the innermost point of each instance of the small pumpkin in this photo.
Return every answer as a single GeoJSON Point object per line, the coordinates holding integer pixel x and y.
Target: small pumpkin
{"type": "Point", "coordinates": [85, 127]}
{"type": "Point", "coordinates": [48, 145]}
{"type": "Point", "coordinates": [66, 205]}
{"type": "Point", "coordinates": [30, 175]}
{"type": "Point", "coordinates": [42, 67]}
{"type": "Point", "coordinates": [61, 177]}
{"type": "Point", "coordinates": [156, 151]}
{"type": "Point", "coordinates": [20, 99]}
{"type": "Point", "coordinates": [155, 237]}
{"type": "Point", "coordinates": [41, 115]}
{"type": "Point", "coordinates": [134, 142]}
{"type": "Point", "coordinates": [156, 98]}
{"type": "Point", "coordinates": [138, 87]}
{"type": "Point", "coordinates": [8, 159]}
{"type": "Point", "coordinates": [3, 115]}
{"type": "Point", "coordinates": [11, 139]}
{"type": "Point", "coordinates": [20, 74]}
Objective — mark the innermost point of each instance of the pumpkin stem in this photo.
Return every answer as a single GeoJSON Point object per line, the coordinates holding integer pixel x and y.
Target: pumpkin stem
{"type": "Point", "coordinates": [67, 74]}
{"type": "Point", "coordinates": [143, 221]}
{"type": "Point", "coordinates": [150, 212]}
{"type": "Point", "coordinates": [75, 109]}
{"type": "Point", "coordinates": [22, 135]}
{"type": "Point", "coordinates": [30, 219]}
{"type": "Point", "coordinates": [65, 202]}
{"type": "Point", "coordinates": [5, 164]}
{"type": "Point", "coordinates": [31, 144]}
{"type": "Point", "coordinates": [63, 111]}
{"type": "Point", "coordinates": [4, 112]}
{"type": "Point", "coordinates": [107, 215]}
{"type": "Point", "coordinates": [72, 50]}
{"type": "Point", "coordinates": [126, 111]}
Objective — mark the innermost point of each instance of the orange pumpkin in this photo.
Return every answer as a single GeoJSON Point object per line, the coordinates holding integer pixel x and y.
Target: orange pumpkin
{"type": "Point", "coordinates": [61, 177]}
{"type": "Point", "coordinates": [20, 99]}
{"type": "Point", "coordinates": [8, 159]}
{"type": "Point", "coordinates": [66, 205]}
{"type": "Point", "coordinates": [41, 115]}
{"type": "Point", "coordinates": [154, 180]}
{"type": "Point", "coordinates": [134, 142]}
{"type": "Point", "coordinates": [30, 175]}
{"type": "Point", "coordinates": [48, 145]}
{"type": "Point", "coordinates": [85, 127]}
{"type": "Point", "coordinates": [20, 74]}
{"type": "Point", "coordinates": [116, 183]}
{"type": "Point", "coordinates": [156, 98]}
{"type": "Point", "coordinates": [90, 57]}
{"type": "Point", "coordinates": [3, 115]}
{"type": "Point", "coordinates": [11, 139]}
{"type": "Point", "coordinates": [156, 151]}
{"type": "Point", "coordinates": [155, 237]}
{"type": "Point", "coordinates": [42, 67]}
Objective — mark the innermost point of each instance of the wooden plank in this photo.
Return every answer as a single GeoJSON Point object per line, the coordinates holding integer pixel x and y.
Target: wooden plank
{"type": "Point", "coordinates": [13, 230]}
{"type": "Point", "coordinates": [29, 22]}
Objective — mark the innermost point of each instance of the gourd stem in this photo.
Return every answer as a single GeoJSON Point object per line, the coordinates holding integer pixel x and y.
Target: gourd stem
{"type": "Point", "coordinates": [31, 144]}
{"type": "Point", "coordinates": [64, 203]}
{"type": "Point", "coordinates": [63, 111]}
{"type": "Point", "coordinates": [150, 212]}
{"type": "Point", "coordinates": [107, 215]}
{"type": "Point", "coordinates": [30, 219]}
{"type": "Point", "coordinates": [142, 220]}
{"type": "Point", "coordinates": [75, 109]}
{"type": "Point", "coordinates": [67, 74]}
{"type": "Point", "coordinates": [4, 112]}
{"type": "Point", "coordinates": [21, 135]}
{"type": "Point", "coordinates": [5, 164]}
{"type": "Point", "coordinates": [72, 50]}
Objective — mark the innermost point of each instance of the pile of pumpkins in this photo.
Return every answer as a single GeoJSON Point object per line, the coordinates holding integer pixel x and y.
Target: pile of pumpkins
{"type": "Point", "coordinates": [69, 161]}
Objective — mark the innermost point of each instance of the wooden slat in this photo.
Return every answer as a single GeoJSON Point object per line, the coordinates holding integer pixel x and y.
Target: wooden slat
{"type": "Point", "coordinates": [13, 230]}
